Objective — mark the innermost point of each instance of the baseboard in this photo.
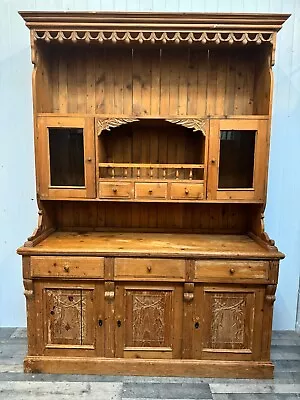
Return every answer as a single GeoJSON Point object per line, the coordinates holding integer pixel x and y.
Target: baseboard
{"type": "Point", "coordinates": [120, 366]}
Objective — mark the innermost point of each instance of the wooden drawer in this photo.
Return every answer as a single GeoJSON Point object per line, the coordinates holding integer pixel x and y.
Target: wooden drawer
{"type": "Point", "coordinates": [151, 190]}
{"type": "Point", "coordinates": [71, 267]}
{"type": "Point", "coordinates": [187, 191]}
{"type": "Point", "coordinates": [115, 190]}
{"type": "Point", "coordinates": [226, 269]}
{"type": "Point", "coordinates": [149, 268]}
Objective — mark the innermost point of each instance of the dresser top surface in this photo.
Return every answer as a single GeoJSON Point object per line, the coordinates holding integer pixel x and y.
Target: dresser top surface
{"type": "Point", "coordinates": [151, 244]}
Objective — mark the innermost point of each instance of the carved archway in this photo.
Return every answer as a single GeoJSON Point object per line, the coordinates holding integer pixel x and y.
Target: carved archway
{"type": "Point", "coordinates": [196, 124]}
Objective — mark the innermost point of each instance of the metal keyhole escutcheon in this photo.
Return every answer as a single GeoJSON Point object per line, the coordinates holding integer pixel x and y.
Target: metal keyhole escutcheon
{"type": "Point", "coordinates": [197, 325]}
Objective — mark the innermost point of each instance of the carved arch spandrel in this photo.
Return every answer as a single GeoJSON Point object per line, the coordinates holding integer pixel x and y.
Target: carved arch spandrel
{"type": "Point", "coordinates": [196, 124]}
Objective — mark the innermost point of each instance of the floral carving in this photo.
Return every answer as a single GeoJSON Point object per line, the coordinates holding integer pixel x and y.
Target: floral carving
{"type": "Point", "coordinates": [107, 123]}
{"type": "Point", "coordinates": [191, 123]}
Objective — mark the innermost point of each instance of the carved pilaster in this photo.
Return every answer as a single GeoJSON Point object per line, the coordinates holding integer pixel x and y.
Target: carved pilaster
{"type": "Point", "coordinates": [28, 288]}
{"type": "Point", "coordinates": [109, 291]}
{"type": "Point", "coordinates": [270, 295]}
{"type": "Point", "coordinates": [188, 292]}
{"type": "Point", "coordinates": [267, 321]}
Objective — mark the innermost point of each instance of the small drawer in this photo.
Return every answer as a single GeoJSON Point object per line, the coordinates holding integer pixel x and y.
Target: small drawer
{"type": "Point", "coordinates": [70, 267]}
{"type": "Point", "coordinates": [226, 269]}
{"type": "Point", "coordinates": [187, 191]}
{"type": "Point", "coordinates": [151, 190]}
{"type": "Point", "coordinates": [116, 190]}
{"type": "Point", "coordinates": [149, 268]}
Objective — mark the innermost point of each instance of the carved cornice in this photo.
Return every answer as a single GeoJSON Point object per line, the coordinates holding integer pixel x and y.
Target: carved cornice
{"type": "Point", "coordinates": [107, 123]}
{"type": "Point", "coordinates": [200, 28]}
{"type": "Point", "coordinates": [191, 123]}
{"type": "Point", "coordinates": [154, 37]}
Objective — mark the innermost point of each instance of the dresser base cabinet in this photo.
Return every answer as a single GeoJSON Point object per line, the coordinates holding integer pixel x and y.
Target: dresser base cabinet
{"type": "Point", "coordinates": [134, 314]}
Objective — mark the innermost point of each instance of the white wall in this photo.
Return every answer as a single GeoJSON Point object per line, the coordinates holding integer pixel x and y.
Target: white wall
{"type": "Point", "coordinates": [17, 197]}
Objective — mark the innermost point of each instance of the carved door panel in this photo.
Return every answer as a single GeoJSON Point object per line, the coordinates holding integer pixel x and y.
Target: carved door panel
{"type": "Point", "coordinates": [148, 321]}
{"type": "Point", "coordinates": [229, 322]}
{"type": "Point", "coordinates": [69, 322]}
{"type": "Point", "coordinates": [238, 152]}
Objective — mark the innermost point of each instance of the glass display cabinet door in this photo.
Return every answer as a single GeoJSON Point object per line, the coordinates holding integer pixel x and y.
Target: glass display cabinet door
{"type": "Point", "coordinates": [66, 157]}
{"type": "Point", "coordinates": [237, 168]}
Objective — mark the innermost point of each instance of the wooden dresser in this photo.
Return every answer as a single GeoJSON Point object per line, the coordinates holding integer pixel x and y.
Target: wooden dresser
{"type": "Point", "coordinates": [152, 143]}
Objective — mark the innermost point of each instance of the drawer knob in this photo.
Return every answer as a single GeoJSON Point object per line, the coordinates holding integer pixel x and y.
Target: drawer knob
{"type": "Point", "coordinates": [232, 271]}
{"type": "Point", "coordinates": [186, 191]}
{"type": "Point", "coordinates": [66, 268]}
{"type": "Point", "coordinates": [150, 191]}
{"type": "Point", "coordinates": [115, 190]}
{"type": "Point", "coordinates": [149, 268]}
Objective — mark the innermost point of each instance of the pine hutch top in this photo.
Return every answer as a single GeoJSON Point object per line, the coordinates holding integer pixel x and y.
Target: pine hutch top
{"type": "Point", "coordinates": [152, 135]}
{"type": "Point", "coordinates": [163, 108]}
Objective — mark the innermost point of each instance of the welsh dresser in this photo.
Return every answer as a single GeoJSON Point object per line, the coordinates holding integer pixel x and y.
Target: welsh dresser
{"type": "Point", "coordinates": [152, 136]}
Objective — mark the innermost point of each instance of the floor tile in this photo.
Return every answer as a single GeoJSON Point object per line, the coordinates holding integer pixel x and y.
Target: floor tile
{"type": "Point", "coordinates": [60, 390]}
{"type": "Point", "coordinates": [255, 388]}
{"type": "Point", "coordinates": [5, 333]}
{"type": "Point", "coordinates": [19, 333]}
{"type": "Point", "coordinates": [166, 391]}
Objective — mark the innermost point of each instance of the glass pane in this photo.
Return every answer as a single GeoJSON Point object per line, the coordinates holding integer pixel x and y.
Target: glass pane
{"type": "Point", "coordinates": [66, 156]}
{"type": "Point", "coordinates": [236, 159]}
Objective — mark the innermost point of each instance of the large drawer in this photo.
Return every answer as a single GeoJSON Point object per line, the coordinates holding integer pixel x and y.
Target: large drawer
{"type": "Point", "coordinates": [231, 269]}
{"type": "Point", "coordinates": [68, 267]}
{"type": "Point", "coordinates": [149, 268]}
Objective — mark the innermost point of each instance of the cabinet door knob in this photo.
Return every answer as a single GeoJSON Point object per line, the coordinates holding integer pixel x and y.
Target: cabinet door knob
{"type": "Point", "coordinates": [89, 159]}
{"type": "Point", "coordinates": [118, 323]}
{"type": "Point", "coordinates": [232, 271]}
{"type": "Point", "coordinates": [66, 268]}
{"type": "Point", "coordinates": [149, 268]}
{"type": "Point", "coordinates": [115, 190]}
{"type": "Point", "coordinates": [213, 160]}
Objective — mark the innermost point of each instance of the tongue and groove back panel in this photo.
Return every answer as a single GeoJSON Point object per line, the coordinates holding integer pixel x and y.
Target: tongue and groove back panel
{"type": "Point", "coordinates": [148, 81]}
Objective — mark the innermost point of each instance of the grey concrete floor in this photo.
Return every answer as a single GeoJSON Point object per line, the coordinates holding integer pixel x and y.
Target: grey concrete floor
{"type": "Point", "coordinates": [14, 384]}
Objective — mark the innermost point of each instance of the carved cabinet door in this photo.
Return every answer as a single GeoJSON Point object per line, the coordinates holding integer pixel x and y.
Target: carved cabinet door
{"type": "Point", "coordinates": [148, 321]}
{"type": "Point", "coordinates": [67, 322]}
{"type": "Point", "coordinates": [229, 322]}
